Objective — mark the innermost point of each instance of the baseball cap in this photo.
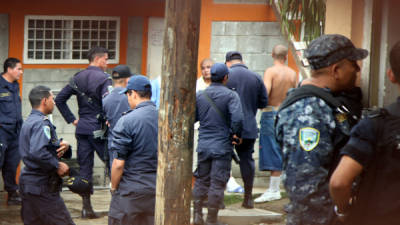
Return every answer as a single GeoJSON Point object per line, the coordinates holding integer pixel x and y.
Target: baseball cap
{"type": "Point", "coordinates": [137, 83]}
{"type": "Point", "coordinates": [331, 48]}
{"type": "Point", "coordinates": [219, 70]}
{"type": "Point", "coordinates": [121, 71]}
{"type": "Point", "coordinates": [77, 183]}
{"type": "Point", "coordinates": [233, 55]}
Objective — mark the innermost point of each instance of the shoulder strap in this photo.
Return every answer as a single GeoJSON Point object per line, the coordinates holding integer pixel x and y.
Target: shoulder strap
{"type": "Point", "coordinates": [215, 107]}
{"type": "Point", "coordinates": [310, 91]}
{"type": "Point", "coordinates": [75, 87]}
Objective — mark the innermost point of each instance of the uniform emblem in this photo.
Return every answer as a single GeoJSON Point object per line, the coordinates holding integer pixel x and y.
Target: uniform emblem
{"type": "Point", "coordinates": [46, 130]}
{"type": "Point", "coordinates": [308, 138]}
{"type": "Point", "coordinates": [110, 88]}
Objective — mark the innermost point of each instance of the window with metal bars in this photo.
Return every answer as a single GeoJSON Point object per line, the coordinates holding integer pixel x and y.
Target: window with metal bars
{"type": "Point", "coordinates": [67, 39]}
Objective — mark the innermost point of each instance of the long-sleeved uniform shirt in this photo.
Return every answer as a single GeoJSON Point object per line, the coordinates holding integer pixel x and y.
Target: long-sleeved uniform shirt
{"type": "Point", "coordinates": [252, 93]}
{"type": "Point", "coordinates": [38, 143]}
{"type": "Point", "coordinates": [135, 141]}
{"type": "Point", "coordinates": [215, 132]}
{"type": "Point", "coordinates": [94, 83]}
{"type": "Point", "coordinates": [10, 106]}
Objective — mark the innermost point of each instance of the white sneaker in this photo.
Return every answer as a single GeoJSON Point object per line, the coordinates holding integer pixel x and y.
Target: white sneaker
{"type": "Point", "coordinates": [268, 196]}
{"type": "Point", "coordinates": [233, 187]}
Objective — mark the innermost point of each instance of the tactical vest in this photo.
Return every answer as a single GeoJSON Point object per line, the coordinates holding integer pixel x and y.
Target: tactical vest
{"type": "Point", "coordinates": [377, 197]}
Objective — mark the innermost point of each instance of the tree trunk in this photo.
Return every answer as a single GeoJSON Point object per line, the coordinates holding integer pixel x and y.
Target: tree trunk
{"type": "Point", "coordinates": [176, 115]}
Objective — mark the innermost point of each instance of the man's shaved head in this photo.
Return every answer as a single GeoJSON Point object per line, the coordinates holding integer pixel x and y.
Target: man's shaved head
{"type": "Point", "coordinates": [279, 52]}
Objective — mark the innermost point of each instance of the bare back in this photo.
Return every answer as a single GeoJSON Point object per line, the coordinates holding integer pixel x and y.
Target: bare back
{"type": "Point", "coordinates": [278, 79]}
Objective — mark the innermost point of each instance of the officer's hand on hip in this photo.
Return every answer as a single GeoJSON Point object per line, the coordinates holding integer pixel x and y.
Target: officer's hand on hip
{"type": "Point", "coordinates": [62, 149]}
{"type": "Point", "coordinates": [63, 169]}
{"type": "Point", "coordinates": [75, 122]}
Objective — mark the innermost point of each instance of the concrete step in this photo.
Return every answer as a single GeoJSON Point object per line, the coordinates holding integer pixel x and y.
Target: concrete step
{"type": "Point", "coordinates": [242, 216]}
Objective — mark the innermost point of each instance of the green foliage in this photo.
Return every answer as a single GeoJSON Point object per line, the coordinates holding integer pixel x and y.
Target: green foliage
{"type": "Point", "coordinates": [311, 13]}
{"type": "Point", "coordinates": [232, 199]}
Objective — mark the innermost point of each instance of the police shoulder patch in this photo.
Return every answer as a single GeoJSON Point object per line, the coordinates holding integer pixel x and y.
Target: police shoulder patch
{"type": "Point", "coordinates": [46, 130]}
{"type": "Point", "coordinates": [308, 138]}
{"type": "Point", "coordinates": [110, 89]}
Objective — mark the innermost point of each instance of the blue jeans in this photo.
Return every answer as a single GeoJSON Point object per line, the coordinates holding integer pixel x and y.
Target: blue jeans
{"type": "Point", "coordinates": [270, 154]}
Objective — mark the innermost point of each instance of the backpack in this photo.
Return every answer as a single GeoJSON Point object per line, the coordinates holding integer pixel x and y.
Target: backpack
{"type": "Point", "coordinates": [377, 196]}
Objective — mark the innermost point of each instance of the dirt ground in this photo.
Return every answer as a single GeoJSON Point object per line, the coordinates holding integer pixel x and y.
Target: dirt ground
{"type": "Point", "coordinates": [275, 206]}
{"type": "Point", "coordinates": [10, 215]}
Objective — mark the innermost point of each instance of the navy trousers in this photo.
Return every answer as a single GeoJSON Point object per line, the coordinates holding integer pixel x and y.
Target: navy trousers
{"type": "Point", "coordinates": [133, 209]}
{"type": "Point", "coordinates": [44, 208]}
{"type": "Point", "coordinates": [9, 158]}
{"type": "Point", "coordinates": [247, 166]}
{"type": "Point", "coordinates": [212, 174]}
{"type": "Point", "coordinates": [87, 145]}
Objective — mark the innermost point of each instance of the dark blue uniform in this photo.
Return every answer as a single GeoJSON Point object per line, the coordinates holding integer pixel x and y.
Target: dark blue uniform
{"type": "Point", "coordinates": [114, 105]}
{"type": "Point", "coordinates": [374, 144]}
{"type": "Point", "coordinates": [215, 145]}
{"type": "Point", "coordinates": [41, 203]}
{"type": "Point", "coordinates": [253, 96]}
{"type": "Point", "coordinates": [94, 83]}
{"type": "Point", "coordinates": [135, 142]}
{"type": "Point", "coordinates": [10, 125]}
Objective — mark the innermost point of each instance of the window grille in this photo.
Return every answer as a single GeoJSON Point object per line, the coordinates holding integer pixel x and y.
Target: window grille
{"type": "Point", "coordinates": [67, 39]}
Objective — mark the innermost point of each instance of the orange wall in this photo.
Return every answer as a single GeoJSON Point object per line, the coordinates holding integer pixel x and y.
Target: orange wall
{"type": "Point", "coordinates": [210, 12]}
{"type": "Point", "coordinates": [17, 9]}
{"type": "Point", "coordinates": [231, 12]}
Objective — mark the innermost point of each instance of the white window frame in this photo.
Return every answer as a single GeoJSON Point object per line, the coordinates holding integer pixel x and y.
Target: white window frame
{"type": "Point", "coordinates": [69, 61]}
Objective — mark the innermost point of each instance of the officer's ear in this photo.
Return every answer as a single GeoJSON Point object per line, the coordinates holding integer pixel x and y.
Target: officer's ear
{"type": "Point", "coordinates": [391, 76]}
{"type": "Point", "coordinates": [226, 77]}
{"type": "Point", "coordinates": [334, 70]}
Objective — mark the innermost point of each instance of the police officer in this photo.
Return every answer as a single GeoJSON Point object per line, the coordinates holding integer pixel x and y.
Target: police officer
{"type": "Point", "coordinates": [10, 125]}
{"type": "Point", "coordinates": [309, 129]}
{"type": "Point", "coordinates": [114, 104]}
{"type": "Point", "coordinates": [40, 181]}
{"type": "Point", "coordinates": [372, 152]}
{"type": "Point", "coordinates": [253, 96]}
{"type": "Point", "coordinates": [221, 117]}
{"type": "Point", "coordinates": [89, 85]}
{"type": "Point", "coordinates": [134, 170]}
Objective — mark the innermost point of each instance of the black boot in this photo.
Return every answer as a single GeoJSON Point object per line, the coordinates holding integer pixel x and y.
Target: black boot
{"type": "Point", "coordinates": [13, 198]}
{"type": "Point", "coordinates": [212, 217]}
{"type": "Point", "coordinates": [87, 210]}
{"type": "Point", "coordinates": [248, 198]}
{"type": "Point", "coordinates": [198, 212]}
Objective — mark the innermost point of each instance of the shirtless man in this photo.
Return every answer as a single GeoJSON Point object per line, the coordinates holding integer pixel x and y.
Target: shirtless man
{"type": "Point", "coordinates": [278, 79]}
{"type": "Point", "coordinates": [205, 80]}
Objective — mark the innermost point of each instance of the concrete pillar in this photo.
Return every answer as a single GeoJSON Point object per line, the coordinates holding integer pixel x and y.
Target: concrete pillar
{"type": "Point", "coordinates": [3, 37]}
{"type": "Point", "coordinates": [338, 17]}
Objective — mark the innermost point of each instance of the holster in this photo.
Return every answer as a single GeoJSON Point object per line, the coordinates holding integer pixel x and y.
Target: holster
{"type": "Point", "coordinates": [55, 183]}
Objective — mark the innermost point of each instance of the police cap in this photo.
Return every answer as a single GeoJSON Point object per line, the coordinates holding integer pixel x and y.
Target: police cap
{"type": "Point", "coordinates": [331, 48]}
